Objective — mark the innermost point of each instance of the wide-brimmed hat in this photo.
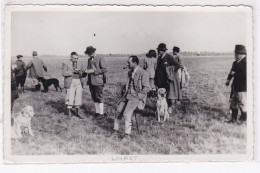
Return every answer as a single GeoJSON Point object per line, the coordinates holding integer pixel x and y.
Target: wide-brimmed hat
{"type": "Point", "coordinates": [90, 50]}
{"type": "Point", "coordinates": [34, 53]}
{"type": "Point", "coordinates": [19, 56]}
{"type": "Point", "coordinates": [240, 49]}
{"type": "Point", "coordinates": [162, 47]}
{"type": "Point", "coordinates": [176, 49]}
{"type": "Point", "coordinates": [151, 53]}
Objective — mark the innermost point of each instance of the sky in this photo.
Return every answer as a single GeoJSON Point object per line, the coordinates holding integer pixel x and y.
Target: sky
{"type": "Point", "coordinates": [60, 33]}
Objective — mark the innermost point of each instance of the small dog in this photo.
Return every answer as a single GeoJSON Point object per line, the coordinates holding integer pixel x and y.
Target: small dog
{"type": "Point", "coordinates": [162, 106]}
{"type": "Point", "coordinates": [23, 122]}
{"type": "Point", "coordinates": [48, 82]}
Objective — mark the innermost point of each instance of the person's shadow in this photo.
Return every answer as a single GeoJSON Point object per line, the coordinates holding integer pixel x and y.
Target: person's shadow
{"type": "Point", "coordinates": [58, 105]}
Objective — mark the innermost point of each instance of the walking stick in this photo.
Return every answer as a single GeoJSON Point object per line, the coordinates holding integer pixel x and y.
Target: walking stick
{"type": "Point", "coordinates": [137, 124]}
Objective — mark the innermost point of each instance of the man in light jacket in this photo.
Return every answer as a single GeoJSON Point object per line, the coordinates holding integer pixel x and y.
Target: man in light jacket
{"type": "Point", "coordinates": [135, 94]}
{"type": "Point", "coordinates": [73, 72]}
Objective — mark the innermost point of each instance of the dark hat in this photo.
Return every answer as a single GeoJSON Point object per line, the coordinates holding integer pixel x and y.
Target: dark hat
{"type": "Point", "coordinates": [90, 50]}
{"type": "Point", "coordinates": [240, 49]}
{"type": "Point", "coordinates": [19, 56]}
{"type": "Point", "coordinates": [151, 53]}
{"type": "Point", "coordinates": [176, 49]}
{"type": "Point", "coordinates": [34, 53]}
{"type": "Point", "coordinates": [162, 47]}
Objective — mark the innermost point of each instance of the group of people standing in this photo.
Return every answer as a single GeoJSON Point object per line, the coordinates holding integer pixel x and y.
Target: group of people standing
{"type": "Point", "coordinates": [19, 74]}
{"type": "Point", "coordinates": [160, 70]}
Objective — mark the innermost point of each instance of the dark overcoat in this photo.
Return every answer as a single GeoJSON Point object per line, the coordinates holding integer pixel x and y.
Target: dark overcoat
{"type": "Point", "coordinates": [240, 79]}
{"type": "Point", "coordinates": [162, 77]}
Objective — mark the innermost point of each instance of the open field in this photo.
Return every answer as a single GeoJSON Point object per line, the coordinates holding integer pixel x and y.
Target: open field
{"type": "Point", "coordinates": [196, 127]}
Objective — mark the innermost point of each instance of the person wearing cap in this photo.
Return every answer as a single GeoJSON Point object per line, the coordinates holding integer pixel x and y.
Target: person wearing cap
{"type": "Point", "coordinates": [73, 72]}
{"type": "Point", "coordinates": [20, 72]}
{"type": "Point", "coordinates": [182, 72]}
{"type": "Point", "coordinates": [134, 95]}
{"type": "Point", "coordinates": [96, 80]}
{"type": "Point", "coordinates": [166, 75]}
{"type": "Point", "coordinates": [150, 66]}
{"type": "Point", "coordinates": [239, 85]}
{"type": "Point", "coordinates": [36, 66]}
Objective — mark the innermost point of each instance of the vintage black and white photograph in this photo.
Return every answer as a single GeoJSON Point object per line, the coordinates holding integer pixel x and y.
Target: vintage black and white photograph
{"type": "Point", "coordinates": [152, 84]}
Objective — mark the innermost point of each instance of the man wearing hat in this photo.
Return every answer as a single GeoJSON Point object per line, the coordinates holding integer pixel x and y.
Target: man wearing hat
{"type": "Point", "coordinates": [239, 86]}
{"type": "Point", "coordinates": [36, 67]}
{"type": "Point", "coordinates": [96, 80]}
{"type": "Point", "coordinates": [134, 95]}
{"type": "Point", "coordinates": [20, 72]}
{"type": "Point", "coordinates": [166, 75]}
{"type": "Point", "coordinates": [150, 66]}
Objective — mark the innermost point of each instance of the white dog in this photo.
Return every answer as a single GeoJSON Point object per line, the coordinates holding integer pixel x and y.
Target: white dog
{"type": "Point", "coordinates": [162, 106]}
{"type": "Point", "coordinates": [23, 122]}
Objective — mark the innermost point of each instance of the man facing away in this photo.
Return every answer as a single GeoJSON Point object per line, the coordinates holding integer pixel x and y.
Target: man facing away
{"type": "Point", "coordinates": [20, 72]}
{"type": "Point", "coordinates": [239, 85]}
{"type": "Point", "coordinates": [36, 67]}
{"type": "Point", "coordinates": [135, 94]}
{"type": "Point", "coordinates": [166, 75]}
{"type": "Point", "coordinates": [96, 80]}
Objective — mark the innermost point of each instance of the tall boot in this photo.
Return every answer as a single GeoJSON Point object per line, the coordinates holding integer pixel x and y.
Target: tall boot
{"type": "Point", "coordinates": [69, 112]}
{"type": "Point", "coordinates": [36, 87]}
{"type": "Point", "coordinates": [243, 116]}
{"type": "Point", "coordinates": [234, 115]}
{"type": "Point", "coordinates": [79, 115]}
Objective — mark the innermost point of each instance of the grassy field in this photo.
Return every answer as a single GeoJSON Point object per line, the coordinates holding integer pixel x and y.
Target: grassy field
{"type": "Point", "coordinates": [196, 127]}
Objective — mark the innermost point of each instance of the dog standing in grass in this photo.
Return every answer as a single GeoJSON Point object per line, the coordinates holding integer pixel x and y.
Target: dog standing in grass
{"type": "Point", "coordinates": [48, 82]}
{"type": "Point", "coordinates": [162, 106]}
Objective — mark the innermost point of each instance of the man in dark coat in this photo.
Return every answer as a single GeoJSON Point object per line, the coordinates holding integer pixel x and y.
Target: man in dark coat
{"type": "Point", "coordinates": [20, 72]}
{"type": "Point", "coordinates": [96, 80]}
{"type": "Point", "coordinates": [239, 85]}
{"type": "Point", "coordinates": [14, 92]}
{"type": "Point", "coordinates": [166, 75]}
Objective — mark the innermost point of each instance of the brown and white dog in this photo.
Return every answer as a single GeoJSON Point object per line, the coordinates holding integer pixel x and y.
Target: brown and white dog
{"type": "Point", "coordinates": [23, 122]}
{"type": "Point", "coordinates": [162, 106]}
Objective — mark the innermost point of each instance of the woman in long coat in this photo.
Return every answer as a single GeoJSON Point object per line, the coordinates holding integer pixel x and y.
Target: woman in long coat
{"type": "Point", "coordinates": [150, 63]}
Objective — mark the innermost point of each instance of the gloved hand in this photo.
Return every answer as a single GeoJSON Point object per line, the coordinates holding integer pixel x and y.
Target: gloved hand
{"type": "Point", "coordinates": [227, 82]}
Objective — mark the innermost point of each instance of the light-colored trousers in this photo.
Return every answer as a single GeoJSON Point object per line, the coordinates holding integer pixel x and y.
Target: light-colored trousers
{"type": "Point", "coordinates": [75, 93]}
{"type": "Point", "coordinates": [239, 100]}
{"type": "Point", "coordinates": [152, 86]}
{"type": "Point", "coordinates": [127, 107]}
